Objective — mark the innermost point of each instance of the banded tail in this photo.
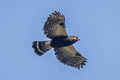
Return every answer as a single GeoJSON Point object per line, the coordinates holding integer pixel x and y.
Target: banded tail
{"type": "Point", "coordinates": [40, 47]}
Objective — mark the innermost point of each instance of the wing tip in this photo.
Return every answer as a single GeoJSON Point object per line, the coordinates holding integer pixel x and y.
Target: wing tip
{"type": "Point", "coordinates": [78, 61]}
{"type": "Point", "coordinates": [55, 14]}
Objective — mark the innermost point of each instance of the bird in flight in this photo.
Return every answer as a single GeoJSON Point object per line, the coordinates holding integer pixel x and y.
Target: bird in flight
{"type": "Point", "coordinates": [55, 29]}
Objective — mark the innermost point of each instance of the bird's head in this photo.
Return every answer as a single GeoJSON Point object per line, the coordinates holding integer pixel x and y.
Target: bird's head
{"type": "Point", "coordinates": [72, 39]}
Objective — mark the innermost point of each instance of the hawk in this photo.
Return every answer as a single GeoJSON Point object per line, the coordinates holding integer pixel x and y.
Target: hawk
{"type": "Point", "coordinates": [55, 29]}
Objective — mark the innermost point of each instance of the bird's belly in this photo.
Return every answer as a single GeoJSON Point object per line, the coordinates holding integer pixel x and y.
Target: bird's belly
{"type": "Point", "coordinates": [61, 43]}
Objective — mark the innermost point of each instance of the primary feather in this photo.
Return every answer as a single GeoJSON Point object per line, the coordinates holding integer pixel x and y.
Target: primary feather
{"type": "Point", "coordinates": [69, 56]}
{"type": "Point", "coordinates": [55, 25]}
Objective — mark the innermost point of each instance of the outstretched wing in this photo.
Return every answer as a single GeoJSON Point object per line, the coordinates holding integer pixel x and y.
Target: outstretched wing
{"type": "Point", "coordinates": [55, 25]}
{"type": "Point", "coordinates": [69, 56]}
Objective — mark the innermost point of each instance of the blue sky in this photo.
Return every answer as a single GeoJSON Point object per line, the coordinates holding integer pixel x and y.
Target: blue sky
{"type": "Point", "coordinates": [95, 22]}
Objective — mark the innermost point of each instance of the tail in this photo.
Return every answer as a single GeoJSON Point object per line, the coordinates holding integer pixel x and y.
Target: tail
{"type": "Point", "coordinates": [40, 47]}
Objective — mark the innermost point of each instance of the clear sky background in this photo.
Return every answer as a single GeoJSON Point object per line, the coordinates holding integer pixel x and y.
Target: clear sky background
{"type": "Point", "coordinates": [96, 22]}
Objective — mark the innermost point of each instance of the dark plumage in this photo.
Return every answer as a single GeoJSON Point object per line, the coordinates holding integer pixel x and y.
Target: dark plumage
{"type": "Point", "coordinates": [62, 41]}
{"type": "Point", "coordinates": [54, 28]}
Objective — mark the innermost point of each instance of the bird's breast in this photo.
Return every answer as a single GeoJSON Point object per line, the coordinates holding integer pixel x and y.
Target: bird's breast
{"type": "Point", "coordinates": [58, 42]}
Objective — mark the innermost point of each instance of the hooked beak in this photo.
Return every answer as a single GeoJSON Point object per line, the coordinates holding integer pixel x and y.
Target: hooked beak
{"type": "Point", "coordinates": [78, 39]}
